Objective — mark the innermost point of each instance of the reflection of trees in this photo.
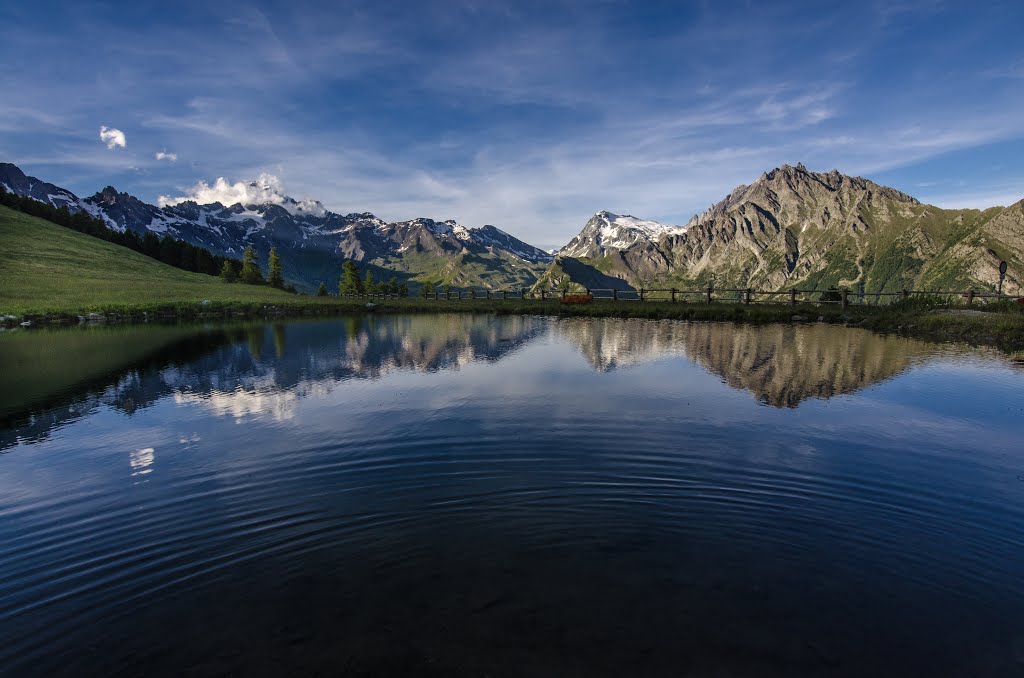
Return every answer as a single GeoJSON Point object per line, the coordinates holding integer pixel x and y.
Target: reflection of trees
{"type": "Point", "coordinates": [781, 365]}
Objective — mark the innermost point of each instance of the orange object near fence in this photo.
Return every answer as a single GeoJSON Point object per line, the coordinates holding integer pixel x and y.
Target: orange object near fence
{"type": "Point", "coordinates": [577, 298]}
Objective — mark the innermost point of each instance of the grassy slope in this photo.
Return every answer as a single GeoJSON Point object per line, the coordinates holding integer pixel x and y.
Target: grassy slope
{"type": "Point", "coordinates": [45, 267]}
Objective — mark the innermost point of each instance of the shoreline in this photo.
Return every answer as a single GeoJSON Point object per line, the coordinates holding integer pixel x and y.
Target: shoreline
{"type": "Point", "coordinates": [1003, 329]}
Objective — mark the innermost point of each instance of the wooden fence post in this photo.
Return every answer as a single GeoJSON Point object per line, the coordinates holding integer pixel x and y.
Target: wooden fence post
{"type": "Point", "coordinates": [792, 297]}
{"type": "Point", "coordinates": [906, 295]}
{"type": "Point", "coordinates": [522, 293]}
{"type": "Point", "coordinates": [747, 301]}
{"type": "Point", "coordinates": [641, 294]}
{"type": "Point", "coordinates": [710, 289]}
{"type": "Point", "coordinates": [543, 294]}
{"type": "Point", "coordinates": [970, 297]}
{"type": "Point", "coordinates": [673, 295]}
{"type": "Point", "coordinates": [844, 300]}
{"type": "Point", "coordinates": [615, 295]}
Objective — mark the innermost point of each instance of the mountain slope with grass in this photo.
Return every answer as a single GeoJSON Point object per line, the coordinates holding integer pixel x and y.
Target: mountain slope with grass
{"type": "Point", "coordinates": [797, 228]}
{"type": "Point", "coordinates": [48, 267]}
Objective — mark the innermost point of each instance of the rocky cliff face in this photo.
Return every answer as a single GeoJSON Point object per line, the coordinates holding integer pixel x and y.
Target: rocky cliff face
{"type": "Point", "coordinates": [794, 227]}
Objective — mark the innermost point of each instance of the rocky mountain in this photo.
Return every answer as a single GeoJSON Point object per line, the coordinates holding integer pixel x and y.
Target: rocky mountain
{"type": "Point", "coordinates": [606, 231]}
{"type": "Point", "coordinates": [794, 227]}
{"type": "Point", "coordinates": [790, 228]}
{"type": "Point", "coordinates": [311, 240]}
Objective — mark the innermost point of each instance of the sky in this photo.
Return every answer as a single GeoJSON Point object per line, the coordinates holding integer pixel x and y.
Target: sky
{"type": "Point", "coordinates": [531, 116]}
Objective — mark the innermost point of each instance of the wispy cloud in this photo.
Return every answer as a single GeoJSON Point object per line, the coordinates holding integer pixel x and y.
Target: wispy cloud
{"type": "Point", "coordinates": [164, 155]}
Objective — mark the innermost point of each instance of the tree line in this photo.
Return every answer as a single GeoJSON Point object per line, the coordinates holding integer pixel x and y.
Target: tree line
{"type": "Point", "coordinates": [171, 251]}
{"type": "Point", "coordinates": [352, 283]}
{"type": "Point", "coordinates": [248, 271]}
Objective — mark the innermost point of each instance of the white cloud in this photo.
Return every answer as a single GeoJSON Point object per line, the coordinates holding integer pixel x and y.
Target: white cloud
{"type": "Point", "coordinates": [266, 189]}
{"type": "Point", "coordinates": [112, 137]}
{"type": "Point", "coordinates": [164, 155]}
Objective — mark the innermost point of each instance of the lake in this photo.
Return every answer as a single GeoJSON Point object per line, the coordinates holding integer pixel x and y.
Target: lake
{"type": "Point", "coordinates": [468, 495]}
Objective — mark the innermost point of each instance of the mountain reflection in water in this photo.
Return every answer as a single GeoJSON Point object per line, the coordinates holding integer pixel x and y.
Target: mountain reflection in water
{"type": "Point", "coordinates": [460, 495]}
{"type": "Point", "coordinates": [267, 367]}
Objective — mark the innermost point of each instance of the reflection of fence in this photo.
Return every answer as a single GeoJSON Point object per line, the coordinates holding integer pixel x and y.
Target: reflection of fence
{"type": "Point", "coordinates": [710, 295]}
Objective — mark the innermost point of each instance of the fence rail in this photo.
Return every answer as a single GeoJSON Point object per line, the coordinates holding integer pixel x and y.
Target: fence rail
{"type": "Point", "coordinates": [709, 295]}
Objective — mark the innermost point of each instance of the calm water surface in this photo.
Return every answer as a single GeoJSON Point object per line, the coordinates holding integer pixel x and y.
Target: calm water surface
{"type": "Point", "coordinates": [457, 495]}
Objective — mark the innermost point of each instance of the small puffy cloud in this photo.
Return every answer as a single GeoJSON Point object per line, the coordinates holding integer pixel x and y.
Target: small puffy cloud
{"type": "Point", "coordinates": [267, 189]}
{"type": "Point", "coordinates": [164, 155]}
{"type": "Point", "coordinates": [112, 137]}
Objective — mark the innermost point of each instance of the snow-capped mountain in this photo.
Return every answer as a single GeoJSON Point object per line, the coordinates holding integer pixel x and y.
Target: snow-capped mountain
{"type": "Point", "coordinates": [792, 227]}
{"type": "Point", "coordinates": [606, 231]}
{"type": "Point", "coordinates": [311, 240]}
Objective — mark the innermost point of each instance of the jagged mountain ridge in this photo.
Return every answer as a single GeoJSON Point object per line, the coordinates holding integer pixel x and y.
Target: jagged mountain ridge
{"type": "Point", "coordinates": [791, 227]}
{"type": "Point", "coordinates": [311, 240]}
{"type": "Point", "coordinates": [797, 227]}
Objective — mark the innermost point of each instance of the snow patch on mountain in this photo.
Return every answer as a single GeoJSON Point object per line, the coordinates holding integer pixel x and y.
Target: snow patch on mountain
{"type": "Point", "coordinates": [606, 230]}
{"type": "Point", "coordinates": [97, 211]}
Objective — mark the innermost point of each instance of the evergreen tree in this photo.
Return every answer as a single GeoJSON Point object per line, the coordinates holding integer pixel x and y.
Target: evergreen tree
{"type": "Point", "coordinates": [227, 272]}
{"type": "Point", "coordinates": [322, 290]}
{"type": "Point", "coordinates": [447, 290]}
{"type": "Point", "coordinates": [403, 290]}
{"type": "Point", "coordinates": [369, 285]}
{"type": "Point", "coordinates": [428, 289]}
{"type": "Point", "coordinates": [350, 282]}
{"type": "Point", "coordinates": [251, 274]}
{"type": "Point", "coordinates": [275, 278]}
{"type": "Point", "coordinates": [393, 286]}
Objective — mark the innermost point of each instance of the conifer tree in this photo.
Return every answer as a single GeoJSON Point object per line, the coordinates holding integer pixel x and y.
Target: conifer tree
{"type": "Point", "coordinates": [428, 289]}
{"type": "Point", "coordinates": [228, 273]}
{"type": "Point", "coordinates": [350, 282]}
{"type": "Point", "coordinates": [251, 274]}
{"type": "Point", "coordinates": [275, 278]}
{"type": "Point", "coordinates": [369, 286]}
{"type": "Point", "coordinates": [322, 290]}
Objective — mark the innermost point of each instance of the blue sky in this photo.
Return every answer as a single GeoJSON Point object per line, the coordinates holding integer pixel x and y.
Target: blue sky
{"type": "Point", "coordinates": [529, 116]}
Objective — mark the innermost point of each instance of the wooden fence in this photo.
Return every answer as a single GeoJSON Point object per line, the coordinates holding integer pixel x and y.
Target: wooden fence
{"type": "Point", "coordinates": [710, 295]}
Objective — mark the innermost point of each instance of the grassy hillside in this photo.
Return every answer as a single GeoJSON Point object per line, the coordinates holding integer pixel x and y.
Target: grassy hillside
{"type": "Point", "coordinates": [45, 267]}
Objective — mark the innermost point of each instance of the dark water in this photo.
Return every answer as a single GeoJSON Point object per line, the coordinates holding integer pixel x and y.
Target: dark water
{"type": "Point", "coordinates": [456, 495]}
